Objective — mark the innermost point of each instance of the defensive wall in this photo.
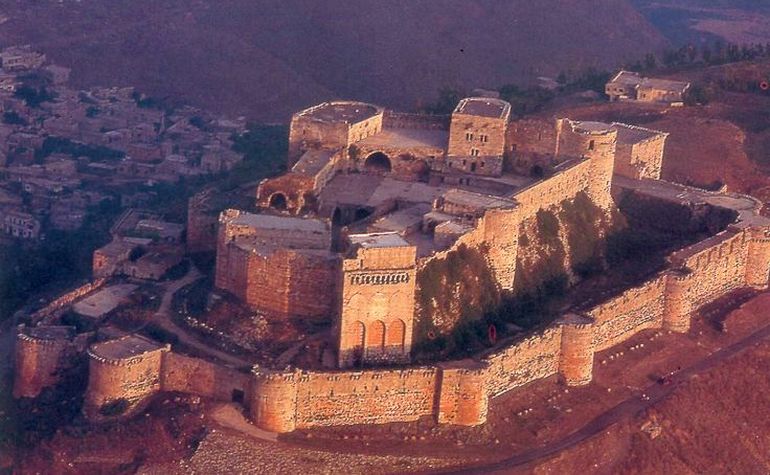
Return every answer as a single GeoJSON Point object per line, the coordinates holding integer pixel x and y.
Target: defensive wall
{"type": "Point", "coordinates": [453, 392]}
{"type": "Point", "coordinates": [56, 306]}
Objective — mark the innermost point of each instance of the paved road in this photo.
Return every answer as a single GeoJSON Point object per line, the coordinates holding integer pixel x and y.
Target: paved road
{"type": "Point", "coordinates": [625, 410]}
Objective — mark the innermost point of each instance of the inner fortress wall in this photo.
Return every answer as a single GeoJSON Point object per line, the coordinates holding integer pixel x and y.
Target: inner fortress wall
{"type": "Point", "coordinates": [377, 305]}
{"type": "Point", "coordinates": [307, 133]}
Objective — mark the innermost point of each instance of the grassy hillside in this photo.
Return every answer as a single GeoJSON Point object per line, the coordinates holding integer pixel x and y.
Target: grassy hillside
{"type": "Point", "coordinates": [267, 58]}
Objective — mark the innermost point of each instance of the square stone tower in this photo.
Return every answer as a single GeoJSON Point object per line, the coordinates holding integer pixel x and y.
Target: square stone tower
{"type": "Point", "coordinates": [377, 305]}
{"type": "Point", "coordinates": [477, 136]}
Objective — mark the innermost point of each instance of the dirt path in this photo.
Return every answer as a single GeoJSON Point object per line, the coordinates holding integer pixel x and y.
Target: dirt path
{"type": "Point", "coordinates": [629, 408]}
{"type": "Point", "coordinates": [163, 318]}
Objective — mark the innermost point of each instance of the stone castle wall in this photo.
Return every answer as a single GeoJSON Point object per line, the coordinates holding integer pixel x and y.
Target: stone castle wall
{"type": "Point", "coordinates": [290, 283]}
{"type": "Point", "coordinates": [484, 134]}
{"type": "Point", "coordinates": [641, 160]}
{"type": "Point", "coordinates": [636, 309]}
{"type": "Point", "coordinates": [201, 224]}
{"type": "Point", "coordinates": [456, 392]}
{"type": "Point", "coordinates": [196, 376]}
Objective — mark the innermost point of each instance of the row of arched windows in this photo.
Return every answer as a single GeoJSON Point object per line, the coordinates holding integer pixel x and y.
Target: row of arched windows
{"type": "Point", "coordinates": [377, 335]}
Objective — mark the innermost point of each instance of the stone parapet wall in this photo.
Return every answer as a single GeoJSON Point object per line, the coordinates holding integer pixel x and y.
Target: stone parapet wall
{"type": "Point", "coordinates": [54, 308]}
{"type": "Point", "coordinates": [404, 120]}
{"type": "Point", "coordinates": [636, 309]}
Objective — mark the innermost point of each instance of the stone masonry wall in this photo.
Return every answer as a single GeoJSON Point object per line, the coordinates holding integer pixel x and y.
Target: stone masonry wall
{"type": "Point", "coordinates": [133, 380]}
{"type": "Point", "coordinates": [641, 160]}
{"type": "Point", "coordinates": [485, 135]}
{"type": "Point", "coordinates": [196, 376]}
{"type": "Point", "coordinates": [634, 310]}
{"type": "Point", "coordinates": [37, 364]}
{"type": "Point", "coordinates": [535, 357]}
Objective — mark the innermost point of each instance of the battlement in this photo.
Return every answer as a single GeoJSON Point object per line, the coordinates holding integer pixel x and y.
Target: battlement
{"type": "Point", "coordinates": [125, 351]}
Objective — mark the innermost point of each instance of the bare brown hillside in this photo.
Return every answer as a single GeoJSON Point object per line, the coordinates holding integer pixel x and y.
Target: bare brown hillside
{"type": "Point", "coordinates": [267, 58]}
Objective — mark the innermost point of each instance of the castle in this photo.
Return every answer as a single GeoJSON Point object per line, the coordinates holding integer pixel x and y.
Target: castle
{"type": "Point", "coordinates": [352, 233]}
{"type": "Point", "coordinates": [374, 196]}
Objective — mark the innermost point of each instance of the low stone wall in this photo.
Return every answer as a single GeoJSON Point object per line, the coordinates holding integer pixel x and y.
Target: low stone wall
{"type": "Point", "coordinates": [53, 308]}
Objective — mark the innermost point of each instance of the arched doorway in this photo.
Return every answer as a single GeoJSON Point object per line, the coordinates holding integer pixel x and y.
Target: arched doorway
{"type": "Point", "coordinates": [278, 201]}
{"type": "Point", "coordinates": [377, 162]}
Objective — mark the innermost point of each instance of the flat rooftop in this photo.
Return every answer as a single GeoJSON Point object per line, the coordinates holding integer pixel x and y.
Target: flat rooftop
{"type": "Point", "coordinates": [477, 200]}
{"type": "Point", "coordinates": [631, 134]}
{"type": "Point", "coordinates": [371, 190]}
{"type": "Point", "coordinates": [53, 332]}
{"type": "Point", "coordinates": [627, 78]}
{"type": "Point", "coordinates": [104, 301]}
{"type": "Point", "coordinates": [407, 138]}
{"type": "Point", "coordinates": [378, 240]}
{"type": "Point", "coordinates": [664, 85]}
{"type": "Point", "coordinates": [589, 126]}
{"type": "Point", "coordinates": [403, 219]}
{"type": "Point", "coordinates": [312, 162]}
{"type": "Point", "coordinates": [280, 223]}
{"type": "Point", "coordinates": [484, 107]}
{"type": "Point", "coordinates": [124, 348]}
{"type": "Point", "coordinates": [347, 112]}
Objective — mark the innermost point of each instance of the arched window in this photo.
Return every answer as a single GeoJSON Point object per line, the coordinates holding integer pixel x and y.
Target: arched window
{"type": "Point", "coordinates": [375, 337]}
{"type": "Point", "coordinates": [396, 334]}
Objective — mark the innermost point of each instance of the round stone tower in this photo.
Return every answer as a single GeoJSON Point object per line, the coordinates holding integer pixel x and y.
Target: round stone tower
{"type": "Point", "coordinates": [677, 310]}
{"type": "Point", "coordinates": [577, 350]}
{"type": "Point", "coordinates": [40, 352]}
{"type": "Point", "coordinates": [122, 375]}
{"type": "Point", "coordinates": [273, 400]}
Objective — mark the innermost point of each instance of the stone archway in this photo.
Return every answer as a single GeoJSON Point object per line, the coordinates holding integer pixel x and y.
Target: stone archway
{"type": "Point", "coordinates": [377, 162]}
{"type": "Point", "coordinates": [278, 201]}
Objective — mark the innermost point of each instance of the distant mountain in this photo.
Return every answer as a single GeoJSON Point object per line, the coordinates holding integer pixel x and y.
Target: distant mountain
{"type": "Point", "coordinates": [267, 58]}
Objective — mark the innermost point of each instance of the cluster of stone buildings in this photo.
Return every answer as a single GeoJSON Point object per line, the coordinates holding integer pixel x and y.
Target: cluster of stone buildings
{"type": "Point", "coordinates": [631, 86]}
{"type": "Point", "coordinates": [143, 246]}
{"type": "Point", "coordinates": [64, 151]}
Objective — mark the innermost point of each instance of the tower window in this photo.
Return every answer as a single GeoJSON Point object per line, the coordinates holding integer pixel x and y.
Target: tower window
{"type": "Point", "coordinates": [591, 145]}
{"type": "Point", "coordinates": [484, 138]}
{"type": "Point", "coordinates": [474, 152]}
{"type": "Point", "coordinates": [469, 136]}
